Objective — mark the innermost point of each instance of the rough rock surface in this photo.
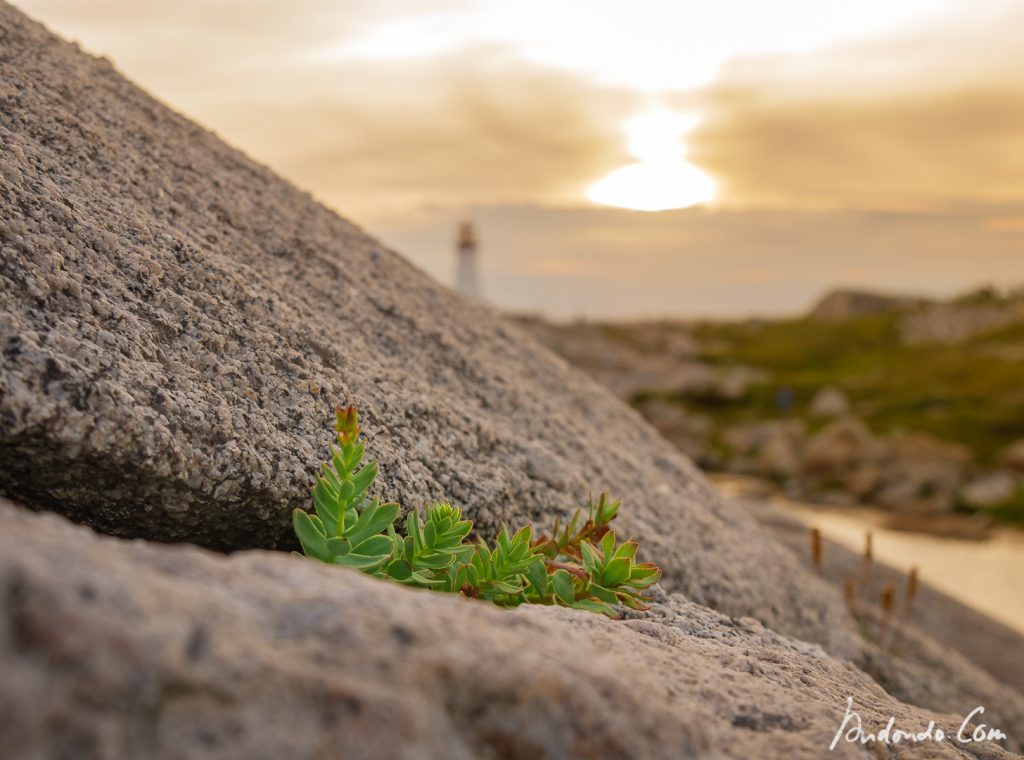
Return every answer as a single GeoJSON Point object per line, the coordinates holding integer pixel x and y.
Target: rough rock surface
{"type": "Point", "coordinates": [127, 649]}
{"type": "Point", "coordinates": [178, 324]}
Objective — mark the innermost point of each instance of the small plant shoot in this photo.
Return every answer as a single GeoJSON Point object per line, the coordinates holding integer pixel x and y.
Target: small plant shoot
{"type": "Point", "coordinates": [581, 564]}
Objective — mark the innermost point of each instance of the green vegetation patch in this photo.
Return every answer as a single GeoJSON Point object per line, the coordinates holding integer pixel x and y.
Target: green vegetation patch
{"type": "Point", "coordinates": [580, 565]}
{"type": "Point", "coordinates": [971, 392]}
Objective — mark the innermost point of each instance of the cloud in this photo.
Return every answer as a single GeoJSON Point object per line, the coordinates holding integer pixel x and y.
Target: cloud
{"type": "Point", "coordinates": [920, 121]}
{"type": "Point", "coordinates": [927, 122]}
{"type": "Point", "coordinates": [913, 153]}
{"type": "Point", "coordinates": [450, 131]}
{"type": "Point", "coordinates": [370, 136]}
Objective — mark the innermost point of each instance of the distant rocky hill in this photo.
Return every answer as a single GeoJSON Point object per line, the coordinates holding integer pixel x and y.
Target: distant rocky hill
{"type": "Point", "coordinates": [177, 325]}
{"type": "Point", "coordinates": [911, 406]}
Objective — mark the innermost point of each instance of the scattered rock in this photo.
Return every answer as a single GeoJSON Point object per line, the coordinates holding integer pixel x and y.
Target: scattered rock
{"type": "Point", "coordinates": [681, 345]}
{"type": "Point", "coordinates": [838, 446]}
{"type": "Point", "coordinates": [644, 360]}
{"type": "Point", "coordinates": [864, 479]}
{"type": "Point", "coordinates": [989, 490]}
{"type": "Point", "coordinates": [689, 431]}
{"type": "Point", "coordinates": [751, 437]}
{"type": "Point", "coordinates": [771, 447]}
{"type": "Point", "coordinates": [780, 456]}
{"type": "Point", "coordinates": [957, 322]}
{"type": "Point", "coordinates": [829, 402]}
{"type": "Point", "coordinates": [922, 473]}
{"type": "Point", "coordinates": [903, 472]}
{"type": "Point", "coordinates": [1012, 456]}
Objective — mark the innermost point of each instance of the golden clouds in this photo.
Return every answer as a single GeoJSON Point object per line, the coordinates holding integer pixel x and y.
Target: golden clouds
{"type": "Point", "coordinates": [930, 121]}
{"type": "Point", "coordinates": [498, 114]}
{"type": "Point", "coordinates": [928, 152]}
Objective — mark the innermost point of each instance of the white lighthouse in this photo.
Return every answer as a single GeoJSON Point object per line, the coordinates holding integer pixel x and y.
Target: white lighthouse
{"type": "Point", "coordinates": [466, 280]}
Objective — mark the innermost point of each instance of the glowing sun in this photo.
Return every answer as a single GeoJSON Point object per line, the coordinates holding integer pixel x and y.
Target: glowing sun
{"type": "Point", "coordinates": [662, 179]}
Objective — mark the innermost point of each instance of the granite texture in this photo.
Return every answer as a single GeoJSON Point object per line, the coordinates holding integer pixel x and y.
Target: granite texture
{"type": "Point", "coordinates": [118, 649]}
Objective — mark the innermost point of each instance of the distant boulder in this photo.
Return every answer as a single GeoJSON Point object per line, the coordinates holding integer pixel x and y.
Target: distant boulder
{"type": "Point", "coordinates": [769, 447]}
{"type": "Point", "coordinates": [837, 447]}
{"type": "Point", "coordinates": [903, 472]}
{"type": "Point", "coordinates": [989, 490]}
{"type": "Point", "coordinates": [780, 456]}
{"type": "Point", "coordinates": [1012, 457]}
{"type": "Point", "coordinates": [829, 402]}
{"type": "Point", "coordinates": [751, 437]}
{"type": "Point", "coordinates": [841, 305]}
{"type": "Point", "coordinates": [922, 473]}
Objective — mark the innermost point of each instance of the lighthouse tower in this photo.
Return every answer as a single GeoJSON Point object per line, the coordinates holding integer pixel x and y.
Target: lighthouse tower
{"type": "Point", "coordinates": [466, 281]}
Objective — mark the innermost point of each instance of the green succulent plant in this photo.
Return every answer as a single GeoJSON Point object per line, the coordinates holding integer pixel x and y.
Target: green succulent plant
{"type": "Point", "coordinates": [347, 526]}
{"type": "Point", "coordinates": [581, 565]}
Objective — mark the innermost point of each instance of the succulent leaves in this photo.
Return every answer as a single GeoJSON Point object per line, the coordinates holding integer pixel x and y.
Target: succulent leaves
{"type": "Point", "coordinates": [580, 565]}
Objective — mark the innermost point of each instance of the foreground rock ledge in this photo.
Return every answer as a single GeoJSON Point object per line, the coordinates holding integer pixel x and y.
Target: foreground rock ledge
{"type": "Point", "coordinates": [112, 648]}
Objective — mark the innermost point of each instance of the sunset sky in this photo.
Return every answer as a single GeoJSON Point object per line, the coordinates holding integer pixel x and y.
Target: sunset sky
{"type": "Point", "coordinates": [810, 143]}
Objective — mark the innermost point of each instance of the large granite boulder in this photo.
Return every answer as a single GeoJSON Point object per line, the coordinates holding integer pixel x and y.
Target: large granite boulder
{"type": "Point", "coordinates": [178, 324]}
{"type": "Point", "coordinates": [121, 649]}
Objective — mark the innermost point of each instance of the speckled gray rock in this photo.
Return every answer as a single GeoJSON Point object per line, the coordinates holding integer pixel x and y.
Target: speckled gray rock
{"type": "Point", "coordinates": [116, 649]}
{"type": "Point", "coordinates": [177, 324]}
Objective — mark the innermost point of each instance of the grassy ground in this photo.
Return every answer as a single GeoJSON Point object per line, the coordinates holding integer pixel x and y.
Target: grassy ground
{"type": "Point", "coordinates": [971, 393]}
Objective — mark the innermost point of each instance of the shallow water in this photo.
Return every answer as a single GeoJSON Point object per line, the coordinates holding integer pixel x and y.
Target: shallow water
{"type": "Point", "coordinates": [985, 574]}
